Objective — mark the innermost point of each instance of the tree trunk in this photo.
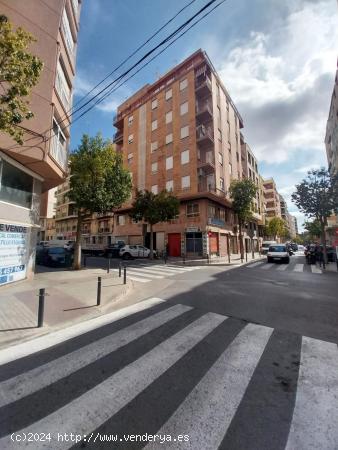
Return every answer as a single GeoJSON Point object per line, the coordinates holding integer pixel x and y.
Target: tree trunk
{"type": "Point", "coordinates": [77, 251]}
{"type": "Point", "coordinates": [323, 240]}
{"type": "Point", "coordinates": [241, 248]}
{"type": "Point", "coordinates": [151, 242]}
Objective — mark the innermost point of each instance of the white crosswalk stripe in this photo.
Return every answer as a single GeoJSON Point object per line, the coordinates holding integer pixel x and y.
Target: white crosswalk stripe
{"type": "Point", "coordinates": [298, 268]}
{"type": "Point", "coordinates": [282, 267]}
{"type": "Point", "coordinates": [314, 269]}
{"type": "Point", "coordinates": [256, 264]}
{"type": "Point", "coordinates": [206, 410]}
{"type": "Point", "coordinates": [266, 266]}
{"type": "Point", "coordinates": [145, 273]}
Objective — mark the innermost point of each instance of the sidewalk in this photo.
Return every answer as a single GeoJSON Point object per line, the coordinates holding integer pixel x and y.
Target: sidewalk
{"type": "Point", "coordinates": [235, 259]}
{"type": "Point", "coordinates": [70, 298]}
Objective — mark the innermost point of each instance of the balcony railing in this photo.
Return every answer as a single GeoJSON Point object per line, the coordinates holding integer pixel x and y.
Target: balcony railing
{"type": "Point", "coordinates": [203, 186]}
{"type": "Point", "coordinates": [206, 162]}
{"type": "Point", "coordinates": [203, 111]}
{"type": "Point", "coordinates": [204, 135]}
{"type": "Point", "coordinates": [203, 85]}
{"type": "Point", "coordinates": [59, 152]}
{"type": "Point", "coordinates": [118, 137]}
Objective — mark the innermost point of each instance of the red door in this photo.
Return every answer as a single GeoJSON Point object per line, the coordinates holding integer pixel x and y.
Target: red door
{"type": "Point", "coordinates": [213, 243]}
{"type": "Point", "coordinates": [174, 244]}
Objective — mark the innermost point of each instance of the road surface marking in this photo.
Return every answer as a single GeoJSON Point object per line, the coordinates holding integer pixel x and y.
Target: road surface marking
{"type": "Point", "coordinates": [138, 279]}
{"type": "Point", "coordinates": [43, 342]}
{"type": "Point", "coordinates": [203, 415]}
{"type": "Point", "coordinates": [28, 382]}
{"type": "Point", "coordinates": [298, 268]}
{"type": "Point", "coordinates": [259, 263]}
{"type": "Point", "coordinates": [314, 269]}
{"type": "Point", "coordinates": [92, 409]}
{"type": "Point", "coordinates": [142, 273]}
{"type": "Point", "coordinates": [282, 267]}
{"type": "Point", "coordinates": [315, 417]}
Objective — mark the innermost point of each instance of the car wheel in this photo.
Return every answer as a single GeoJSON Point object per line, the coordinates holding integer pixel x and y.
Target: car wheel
{"type": "Point", "coordinates": [126, 256]}
{"type": "Point", "coordinates": [269, 260]}
{"type": "Point", "coordinates": [287, 260]}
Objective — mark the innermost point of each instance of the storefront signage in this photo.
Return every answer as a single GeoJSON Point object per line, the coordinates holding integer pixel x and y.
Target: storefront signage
{"type": "Point", "coordinates": [13, 252]}
{"type": "Point", "coordinates": [192, 229]}
{"type": "Point", "coordinates": [216, 222]}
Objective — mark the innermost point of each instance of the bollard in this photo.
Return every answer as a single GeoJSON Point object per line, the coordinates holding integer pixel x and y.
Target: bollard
{"type": "Point", "coordinates": [183, 258]}
{"type": "Point", "coordinates": [41, 307]}
{"type": "Point", "coordinates": [108, 265]}
{"type": "Point", "coordinates": [124, 275]}
{"type": "Point", "coordinates": [84, 261]}
{"type": "Point", "coordinates": [120, 268]}
{"type": "Point", "coordinates": [98, 297]}
{"type": "Point", "coordinates": [246, 256]}
{"type": "Point", "coordinates": [208, 258]}
{"type": "Point", "coordinates": [165, 257]}
{"type": "Point", "coordinates": [229, 258]}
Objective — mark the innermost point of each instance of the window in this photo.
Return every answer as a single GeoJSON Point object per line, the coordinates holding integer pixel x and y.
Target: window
{"type": "Point", "coordinates": [130, 139]}
{"type": "Point", "coordinates": [185, 157]}
{"type": "Point", "coordinates": [16, 186]}
{"type": "Point", "coordinates": [168, 94]}
{"type": "Point", "coordinates": [237, 156]}
{"type": "Point", "coordinates": [75, 4]}
{"type": "Point", "coordinates": [184, 132]}
{"type": "Point", "coordinates": [230, 168]}
{"type": "Point", "coordinates": [220, 158]}
{"type": "Point", "coordinates": [130, 121]}
{"type": "Point", "coordinates": [154, 167]}
{"type": "Point", "coordinates": [154, 104]}
{"type": "Point", "coordinates": [154, 125]}
{"type": "Point", "coordinates": [184, 108]}
{"type": "Point", "coordinates": [183, 84]}
{"type": "Point", "coordinates": [219, 134]}
{"type": "Point", "coordinates": [58, 148]}
{"type": "Point", "coordinates": [121, 219]}
{"type": "Point", "coordinates": [153, 146]}
{"type": "Point", "coordinates": [154, 189]}
{"type": "Point", "coordinates": [169, 162]}
{"type": "Point", "coordinates": [67, 34]}
{"type": "Point", "coordinates": [169, 117]}
{"type": "Point", "coordinates": [169, 138]}
{"type": "Point", "coordinates": [221, 184]}
{"type": "Point", "coordinates": [62, 87]}
{"type": "Point", "coordinates": [169, 185]}
{"type": "Point", "coordinates": [186, 182]}
{"type": "Point", "coordinates": [130, 158]}
{"type": "Point", "coordinates": [193, 209]}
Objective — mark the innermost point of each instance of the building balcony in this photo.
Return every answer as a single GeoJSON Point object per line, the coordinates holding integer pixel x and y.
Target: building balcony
{"type": "Point", "coordinates": [204, 136]}
{"type": "Point", "coordinates": [118, 137]}
{"type": "Point", "coordinates": [204, 112]}
{"type": "Point", "coordinates": [203, 86]}
{"type": "Point", "coordinates": [207, 163]}
{"type": "Point", "coordinates": [203, 186]}
{"type": "Point", "coordinates": [104, 230]}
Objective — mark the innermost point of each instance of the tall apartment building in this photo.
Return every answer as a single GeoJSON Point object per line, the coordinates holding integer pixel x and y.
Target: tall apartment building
{"type": "Point", "coordinates": [182, 133]}
{"type": "Point", "coordinates": [250, 171]}
{"type": "Point", "coordinates": [272, 201]}
{"type": "Point", "coordinates": [29, 170]}
{"type": "Point", "coordinates": [331, 143]}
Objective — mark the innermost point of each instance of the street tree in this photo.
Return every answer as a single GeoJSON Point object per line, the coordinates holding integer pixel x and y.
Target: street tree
{"type": "Point", "coordinates": [154, 208]}
{"type": "Point", "coordinates": [276, 227]}
{"type": "Point", "coordinates": [98, 182]}
{"type": "Point", "coordinates": [242, 193]}
{"type": "Point", "coordinates": [317, 197]}
{"type": "Point", "coordinates": [313, 228]}
{"type": "Point", "coordinates": [19, 73]}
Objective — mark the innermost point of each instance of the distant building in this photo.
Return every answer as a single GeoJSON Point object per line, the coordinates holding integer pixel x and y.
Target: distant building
{"type": "Point", "coordinates": [28, 171]}
{"type": "Point", "coordinates": [272, 200]}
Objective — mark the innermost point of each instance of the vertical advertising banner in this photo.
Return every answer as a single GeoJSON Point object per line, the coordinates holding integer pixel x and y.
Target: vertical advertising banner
{"type": "Point", "coordinates": [14, 241]}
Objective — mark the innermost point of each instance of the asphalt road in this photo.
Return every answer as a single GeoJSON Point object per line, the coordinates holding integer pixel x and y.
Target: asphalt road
{"type": "Point", "coordinates": [218, 358]}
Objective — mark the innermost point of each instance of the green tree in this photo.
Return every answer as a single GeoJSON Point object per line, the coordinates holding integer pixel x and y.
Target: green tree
{"type": "Point", "coordinates": [242, 194]}
{"type": "Point", "coordinates": [313, 228]}
{"type": "Point", "coordinates": [98, 182]}
{"type": "Point", "coordinates": [317, 197]}
{"type": "Point", "coordinates": [19, 73]}
{"type": "Point", "coordinates": [154, 208]}
{"type": "Point", "coordinates": [276, 227]}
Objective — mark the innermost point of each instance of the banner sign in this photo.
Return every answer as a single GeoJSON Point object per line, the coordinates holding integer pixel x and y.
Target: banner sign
{"type": "Point", "coordinates": [13, 252]}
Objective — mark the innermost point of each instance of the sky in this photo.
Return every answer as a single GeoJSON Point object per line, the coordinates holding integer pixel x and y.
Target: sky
{"type": "Point", "coordinates": [277, 59]}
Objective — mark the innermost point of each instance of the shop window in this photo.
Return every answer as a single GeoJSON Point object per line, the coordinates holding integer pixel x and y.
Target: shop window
{"type": "Point", "coordinates": [193, 209]}
{"type": "Point", "coordinates": [16, 186]}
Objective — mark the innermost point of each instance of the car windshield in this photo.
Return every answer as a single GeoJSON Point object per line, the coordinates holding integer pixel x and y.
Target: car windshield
{"type": "Point", "coordinates": [277, 248]}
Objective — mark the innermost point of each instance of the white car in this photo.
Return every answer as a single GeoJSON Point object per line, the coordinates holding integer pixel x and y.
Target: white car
{"type": "Point", "coordinates": [135, 251]}
{"type": "Point", "coordinates": [278, 252]}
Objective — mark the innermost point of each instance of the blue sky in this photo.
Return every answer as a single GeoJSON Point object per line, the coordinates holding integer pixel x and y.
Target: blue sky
{"type": "Point", "coordinates": [276, 58]}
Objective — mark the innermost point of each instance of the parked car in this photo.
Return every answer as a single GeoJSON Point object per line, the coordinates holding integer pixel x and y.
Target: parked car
{"type": "Point", "coordinates": [113, 250]}
{"type": "Point", "coordinates": [55, 256]}
{"type": "Point", "coordinates": [135, 251]}
{"type": "Point", "coordinates": [266, 245]}
{"type": "Point", "coordinates": [278, 252]}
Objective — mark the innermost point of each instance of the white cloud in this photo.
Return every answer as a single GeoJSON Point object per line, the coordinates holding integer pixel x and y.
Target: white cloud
{"type": "Point", "coordinates": [282, 80]}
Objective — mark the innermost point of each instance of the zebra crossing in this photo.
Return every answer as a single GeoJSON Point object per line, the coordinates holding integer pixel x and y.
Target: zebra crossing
{"type": "Point", "coordinates": [173, 370]}
{"type": "Point", "coordinates": [144, 273]}
{"type": "Point", "coordinates": [285, 267]}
